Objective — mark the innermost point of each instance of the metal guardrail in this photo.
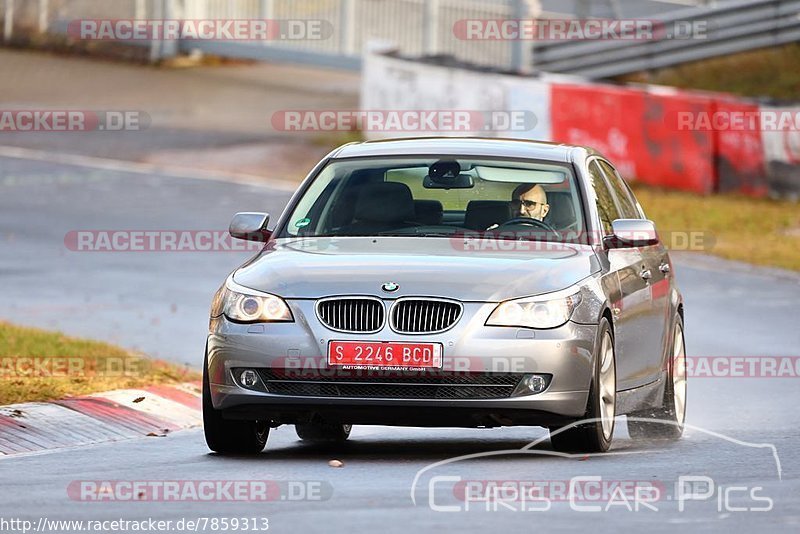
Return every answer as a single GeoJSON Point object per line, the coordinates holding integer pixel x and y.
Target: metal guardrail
{"type": "Point", "coordinates": [418, 28]}
{"type": "Point", "coordinates": [730, 28]}
{"type": "Point", "coordinates": [413, 27]}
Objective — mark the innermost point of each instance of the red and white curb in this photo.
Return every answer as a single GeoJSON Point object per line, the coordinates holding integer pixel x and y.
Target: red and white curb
{"type": "Point", "coordinates": [102, 417]}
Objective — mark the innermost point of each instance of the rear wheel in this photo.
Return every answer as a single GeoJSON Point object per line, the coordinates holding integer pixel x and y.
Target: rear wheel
{"type": "Point", "coordinates": [594, 436]}
{"type": "Point", "coordinates": [323, 432]}
{"type": "Point", "coordinates": [230, 437]}
{"type": "Point", "coordinates": [667, 419]}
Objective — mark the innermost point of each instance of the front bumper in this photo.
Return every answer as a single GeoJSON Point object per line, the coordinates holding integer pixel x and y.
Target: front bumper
{"type": "Point", "coordinates": [564, 353]}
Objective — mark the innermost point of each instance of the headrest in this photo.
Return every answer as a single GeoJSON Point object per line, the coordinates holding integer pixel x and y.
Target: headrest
{"type": "Point", "coordinates": [385, 202]}
{"type": "Point", "coordinates": [481, 214]}
{"type": "Point", "coordinates": [562, 211]}
{"type": "Point", "coordinates": [428, 212]}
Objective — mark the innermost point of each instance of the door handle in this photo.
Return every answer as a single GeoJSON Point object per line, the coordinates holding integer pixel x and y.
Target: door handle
{"type": "Point", "coordinates": [664, 267]}
{"type": "Point", "coordinates": [646, 274]}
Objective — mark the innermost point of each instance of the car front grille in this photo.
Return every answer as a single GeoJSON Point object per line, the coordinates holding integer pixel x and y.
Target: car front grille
{"type": "Point", "coordinates": [424, 316]}
{"type": "Point", "coordinates": [390, 384]}
{"type": "Point", "coordinates": [352, 314]}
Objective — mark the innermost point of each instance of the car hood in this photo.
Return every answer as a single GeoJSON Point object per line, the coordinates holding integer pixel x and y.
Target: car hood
{"type": "Point", "coordinates": [475, 270]}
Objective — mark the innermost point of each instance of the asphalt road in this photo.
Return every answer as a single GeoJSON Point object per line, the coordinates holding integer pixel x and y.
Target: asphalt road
{"type": "Point", "coordinates": [157, 302]}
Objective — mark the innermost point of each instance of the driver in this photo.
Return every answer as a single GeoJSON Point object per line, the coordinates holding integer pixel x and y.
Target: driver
{"type": "Point", "coordinates": [529, 200]}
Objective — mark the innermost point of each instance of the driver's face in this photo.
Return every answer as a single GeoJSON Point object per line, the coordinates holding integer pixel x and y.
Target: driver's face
{"type": "Point", "coordinates": [532, 204]}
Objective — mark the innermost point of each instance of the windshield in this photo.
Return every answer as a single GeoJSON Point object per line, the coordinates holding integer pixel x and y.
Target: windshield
{"type": "Point", "coordinates": [439, 196]}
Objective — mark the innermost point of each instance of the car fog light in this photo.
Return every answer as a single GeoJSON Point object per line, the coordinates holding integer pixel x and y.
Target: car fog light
{"type": "Point", "coordinates": [535, 383]}
{"type": "Point", "coordinates": [248, 378]}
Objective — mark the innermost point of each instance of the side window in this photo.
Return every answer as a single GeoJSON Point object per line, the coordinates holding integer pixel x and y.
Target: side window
{"type": "Point", "coordinates": [605, 201]}
{"type": "Point", "coordinates": [627, 204]}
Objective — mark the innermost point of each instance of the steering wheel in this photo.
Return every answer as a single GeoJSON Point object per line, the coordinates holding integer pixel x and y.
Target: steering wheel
{"type": "Point", "coordinates": [528, 221]}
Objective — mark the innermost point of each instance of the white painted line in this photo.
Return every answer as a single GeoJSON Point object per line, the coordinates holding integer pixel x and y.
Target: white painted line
{"type": "Point", "coordinates": [117, 165]}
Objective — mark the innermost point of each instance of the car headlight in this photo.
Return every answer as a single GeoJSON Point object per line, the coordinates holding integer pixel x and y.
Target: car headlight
{"type": "Point", "coordinates": [534, 312]}
{"type": "Point", "coordinates": [249, 306]}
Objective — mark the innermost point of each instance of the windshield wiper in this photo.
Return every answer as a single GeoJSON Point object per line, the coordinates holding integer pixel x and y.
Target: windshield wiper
{"type": "Point", "coordinates": [417, 234]}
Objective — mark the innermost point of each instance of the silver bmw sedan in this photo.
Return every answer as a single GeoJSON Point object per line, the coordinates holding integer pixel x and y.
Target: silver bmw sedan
{"type": "Point", "coordinates": [449, 282]}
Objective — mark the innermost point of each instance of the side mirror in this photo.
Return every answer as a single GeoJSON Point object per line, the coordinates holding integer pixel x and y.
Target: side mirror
{"type": "Point", "coordinates": [630, 233]}
{"type": "Point", "coordinates": [250, 226]}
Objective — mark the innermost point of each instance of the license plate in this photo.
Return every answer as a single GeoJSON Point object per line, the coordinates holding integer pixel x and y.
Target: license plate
{"type": "Point", "coordinates": [385, 354]}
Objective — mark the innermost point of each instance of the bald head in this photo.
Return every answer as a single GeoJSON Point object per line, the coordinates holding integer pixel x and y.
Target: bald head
{"type": "Point", "coordinates": [530, 200]}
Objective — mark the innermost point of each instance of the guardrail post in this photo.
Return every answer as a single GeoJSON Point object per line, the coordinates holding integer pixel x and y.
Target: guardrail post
{"type": "Point", "coordinates": [521, 49]}
{"type": "Point", "coordinates": [8, 25]}
{"type": "Point", "coordinates": [139, 10]}
{"type": "Point", "coordinates": [44, 16]}
{"type": "Point", "coordinates": [347, 27]}
{"type": "Point", "coordinates": [155, 42]}
{"type": "Point", "coordinates": [169, 47]}
{"type": "Point", "coordinates": [266, 9]}
{"type": "Point", "coordinates": [430, 28]}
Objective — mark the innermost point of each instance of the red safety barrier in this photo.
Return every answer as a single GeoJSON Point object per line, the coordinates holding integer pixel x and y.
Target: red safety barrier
{"type": "Point", "coordinates": [675, 155]}
{"type": "Point", "coordinates": [639, 132]}
{"type": "Point", "coordinates": [605, 118]}
{"type": "Point", "coordinates": [740, 150]}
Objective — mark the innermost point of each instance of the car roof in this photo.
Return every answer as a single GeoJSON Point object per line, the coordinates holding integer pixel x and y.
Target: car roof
{"type": "Point", "coordinates": [464, 146]}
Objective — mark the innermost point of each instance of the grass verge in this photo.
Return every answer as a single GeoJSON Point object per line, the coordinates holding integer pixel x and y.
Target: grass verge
{"type": "Point", "coordinates": [37, 365]}
{"type": "Point", "coordinates": [759, 231]}
{"type": "Point", "coordinates": [771, 72]}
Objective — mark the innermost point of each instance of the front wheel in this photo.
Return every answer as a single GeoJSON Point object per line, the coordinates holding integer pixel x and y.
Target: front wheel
{"type": "Point", "coordinates": [665, 422]}
{"type": "Point", "coordinates": [595, 435]}
{"type": "Point", "coordinates": [230, 437]}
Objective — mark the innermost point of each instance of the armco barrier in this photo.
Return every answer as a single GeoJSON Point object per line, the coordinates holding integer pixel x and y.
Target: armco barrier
{"type": "Point", "coordinates": [782, 155]}
{"type": "Point", "coordinates": [740, 151]}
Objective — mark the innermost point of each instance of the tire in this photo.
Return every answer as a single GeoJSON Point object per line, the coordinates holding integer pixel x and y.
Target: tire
{"type": "Point", "coordinates": [596, 435]}
{"type": "Point", "coordinates": [671, 414]}
{"type": "Point", "coordinates": [323, 432]}
{"type": "Point", "coordinates": [230, 437]}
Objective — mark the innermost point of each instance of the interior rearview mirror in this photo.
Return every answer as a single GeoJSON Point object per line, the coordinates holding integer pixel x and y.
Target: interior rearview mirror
{"type": "Point", "coordinates": [250, 226]}
{"type": "Point", "coordinates": [462, 181]}
{"type": "Point", "coordinates": [631, 233]}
